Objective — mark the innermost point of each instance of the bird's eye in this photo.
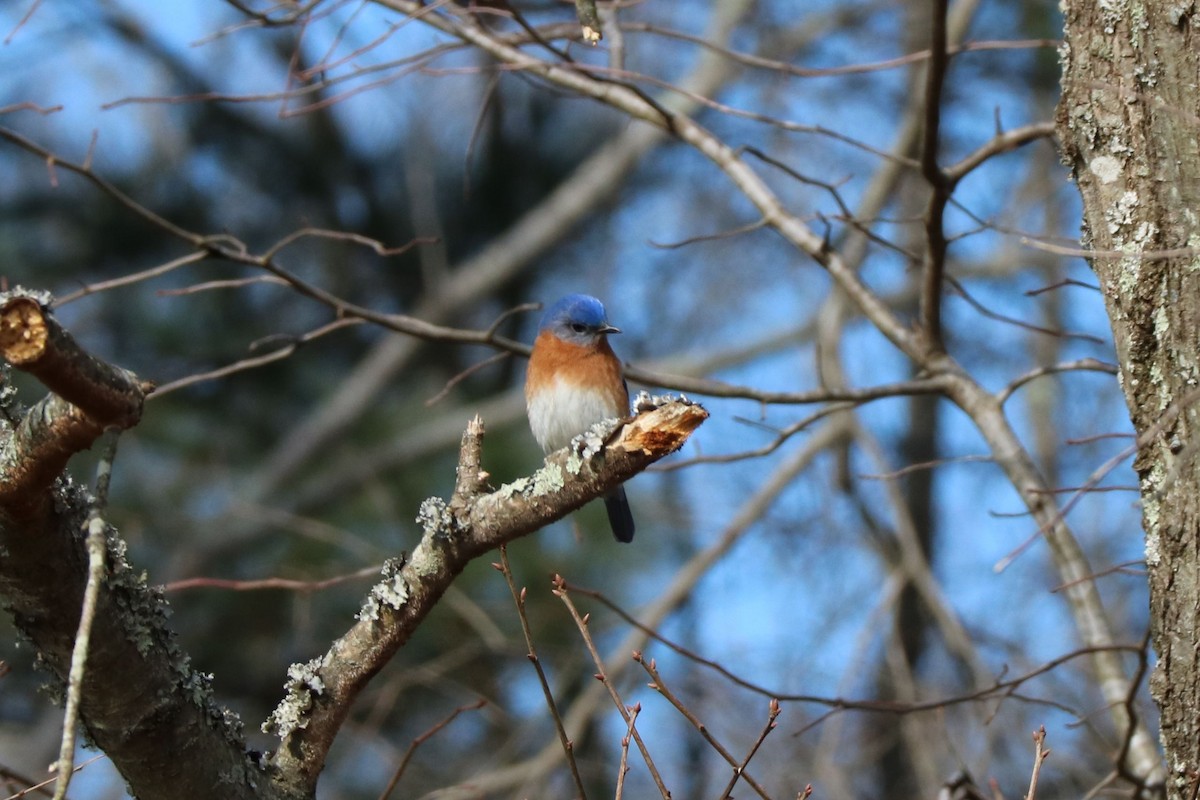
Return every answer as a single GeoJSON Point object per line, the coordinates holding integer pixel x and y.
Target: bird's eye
{"type": "Point", "coordinates": [579, 327]}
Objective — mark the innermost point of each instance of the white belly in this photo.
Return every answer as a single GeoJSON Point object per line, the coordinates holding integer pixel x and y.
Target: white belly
{"type": "Point", "coordinates": [559, 414]}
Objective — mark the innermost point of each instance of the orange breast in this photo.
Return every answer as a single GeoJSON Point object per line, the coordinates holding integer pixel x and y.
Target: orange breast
{"type": "Point", "coordinates": [569, 388]}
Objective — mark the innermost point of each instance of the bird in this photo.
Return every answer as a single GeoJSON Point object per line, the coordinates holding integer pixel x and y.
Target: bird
{"type": "Point", "coordinates": [575, 380]}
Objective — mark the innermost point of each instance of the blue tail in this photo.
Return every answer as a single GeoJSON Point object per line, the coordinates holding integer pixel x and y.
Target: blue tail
{"type": "Point", "coordinates": [619, 515]}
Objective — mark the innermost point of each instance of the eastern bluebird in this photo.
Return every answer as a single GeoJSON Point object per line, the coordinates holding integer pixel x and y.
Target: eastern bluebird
{"type": "Point", "coordinates": [574, 380]}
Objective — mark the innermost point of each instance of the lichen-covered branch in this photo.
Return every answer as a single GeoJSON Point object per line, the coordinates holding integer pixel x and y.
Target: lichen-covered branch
{"type": "Point", "coordinates": [140, 701]}
{"type": "Point", "coordinates": [472, 523]}
{"type": "Point", "coordinates": [87, 396]}
{"type": "Point", "coordinates": [33, 341]}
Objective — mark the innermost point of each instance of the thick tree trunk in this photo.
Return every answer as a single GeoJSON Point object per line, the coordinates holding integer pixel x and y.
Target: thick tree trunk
{"type": "Point", "coordinates": [1129, 122]}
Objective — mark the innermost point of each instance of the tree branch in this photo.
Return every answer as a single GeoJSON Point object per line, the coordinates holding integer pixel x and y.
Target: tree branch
{"type": "Point", "coordinates": [140, 700]}
{"type": "Point", "coordinates": [940, 186]}
{"type": "Point", "coordinates": [88, 396]}
{"type": "Point", "coordinates": [472, 523]}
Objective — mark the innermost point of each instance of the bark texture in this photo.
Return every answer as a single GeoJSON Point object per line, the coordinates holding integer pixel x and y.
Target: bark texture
{"type": "Point", "coordinates": [141, 702]}
{"type": "Point", "coordinates": [1129, 122]}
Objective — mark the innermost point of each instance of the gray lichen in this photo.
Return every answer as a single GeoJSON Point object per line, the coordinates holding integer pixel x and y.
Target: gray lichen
{"type": "Point", "coordinates": [435, 516]}
{"type": "Point", "coordinates": [548, 480]}
{"type": "Point", "coordinates": [517, 487]}
{"type": "Point", "coordinates": [9, 405]}
{"type": "Point", "coordinates": [304, 685]}
{"type": "Point", "coordinates": [39, 296]}
{"type": "Point", "coordinates": [197, 686]}
{"type": "Point", "coordinates": [391, 591]}
{"type": "Point", "coordinates": [591, 442]}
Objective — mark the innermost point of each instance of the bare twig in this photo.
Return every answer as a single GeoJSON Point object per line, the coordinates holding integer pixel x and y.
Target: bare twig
{"type": "Point", "coordinates": [1009, 320]}
{"type": "Point", "coordinates": [40, 788]}
{"type": "Point", "coordinates": [739, 767]}
{"type": "Point", "coordinates": [1001, 687]}
{"type": "Point", "coordinates": [463, 375]}
{"type": "Point", "coordinates": [234, 283]}
{"type": "Point", "coordinates": [1085, 364]}
{"type": "Point", "coordinates": [285, 584]}
{"type": "Point", "coordinates": [1121, 761]}
{"type": "Point", "coordinates": [786, 68]}
{"type": "Point", "coordinates": [254, 362]}
{"type": "Point", "coordinates": [1164, 421]}
{"type": "Point", "coordinates": [24, 19]}
{"type": "Point", "coordinates": [1122, 568]}
{"type": "Point", "coordinates": [1039, 755]}
{"type": "Point", "coordinates": [623, 767]}
{"type": "Point", "coordinates": [581, 622]}
{"type": "Point", "coordinates": [132, 278]}
{"type": "Point", "coordinates": [940, 185]}
{"type": "Point", "coordinates": [740, 771]}
{"type": "Point", "coordinates": [531, 653]}
{"type": "Point", "coordinates": [97, 546]}
{"type": "Point", "coordinates": [420, 740]}
{"type": "Point", "coordinates": [1002, 142]}
{"type": "Point", "coordinates": [924, 465]}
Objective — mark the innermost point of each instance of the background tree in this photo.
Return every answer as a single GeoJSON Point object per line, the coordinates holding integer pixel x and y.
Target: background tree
{"type": "Point", "coordinates": [909, 465]}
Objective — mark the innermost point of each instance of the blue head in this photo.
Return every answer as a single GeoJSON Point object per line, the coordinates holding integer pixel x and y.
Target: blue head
{"type": "Point", "coordinates": [578, 319]}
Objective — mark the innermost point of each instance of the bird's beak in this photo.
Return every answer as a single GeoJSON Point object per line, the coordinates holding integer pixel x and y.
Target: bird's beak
{"type": "Point", "coordinates": [610, 329]}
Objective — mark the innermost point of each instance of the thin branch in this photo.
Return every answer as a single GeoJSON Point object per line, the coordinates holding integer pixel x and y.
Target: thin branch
{"type": "Point", "coordinates": [420, 740]}
{"type": "Point", "coordinates": [1122, 757]}
{"type": "Point", "coordinates": [1087, 364]}
{"type": "Point", "coordinates": [463, 375]}
{"type": "Point", "coordinates": [786, 68]}
{"type": "Point", "coordinates": [739, 771]}
{"type": "Point", "coordinates": [623, 766]}
{"type": "Point", "coordinates": [987, 312]}
{"type": "Point", "coordinates": [715, 388]}
{"type": "Point", "coordinates": [1039, 755]}
{"type": "Point", "coordinates": [233, 283]}
{"type": "Point", "coordinates": [40, 788]}
{"type": "Point", "coordinates": [1062, 284]}
{"type": "Point", "coordinates": [33, 7]}
{"type": "Point", "coordinates": [940, 185]}
{"type": "Point", "coordinates": [1096, 254]}
{"type": "Point", "coordinates": [132, 278]}
{"type": "Point", "coordinates": [999, 688]}
{"type": "Point", "coordinates": [709, 237]}
{"type": "Point", "coordinates": [285, 584]}
{"type": "Point", "coordinates": [85, 172]}
{"type": "Point", "coordinates": [1168, 417]}
{"type": "Point", "coordinates": [28, 106]}
{"type": "Point", "coordinates": [257, 361]}
{"type": "Point", "coordinates": [782, 436]}
{"type": "Point", "coordinates": [924, 465]}
{"type": "Point", "coordinates": [97, 545]}
{"type": "Point", "coordinates": [531, 653]}
{"type": "Point", "coordinates": [581, 622]}
{"type": "Point", "coordinates": [1003, 142]}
